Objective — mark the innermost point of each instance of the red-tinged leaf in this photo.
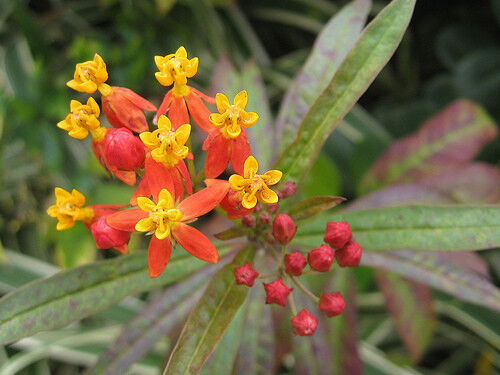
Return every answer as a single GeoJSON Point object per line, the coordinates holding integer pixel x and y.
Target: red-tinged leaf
{"type": "Point", "coordinates": [256, 352]}
{"type": "Point", "coordinates": [330, 48]}
{"type": "Point", "coordinates": [468, 260]}
{"type": "Point", "coordinates": [453, 136]}
{"type": "Point", "coordinates": [210, 318]}
{"type": "Point", "coordinates": [343, 328]}
{"type": "Point", "coordinates": [437, 273]}
{"type": "Point", "coordinates": [410, 305]}
{"type": "Point", "coordinates": [231, 233]}
{"type": "Point", "coordinates": [366, 59]}
{"type": "Point", "coordinates": [151, 324]}
{"type": "Point", "coordinates": [312, 206]}
{"type": "Point", "coordinates": [472, 182]}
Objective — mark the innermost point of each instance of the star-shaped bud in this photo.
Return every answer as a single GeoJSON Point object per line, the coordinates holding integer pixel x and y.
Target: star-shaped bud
{"type": "Point", "coordinates": [304, 323]}
{"type": "Point", "coordinates": [245, 274]}
{"type": "Point", "coordinates": [277, 292]}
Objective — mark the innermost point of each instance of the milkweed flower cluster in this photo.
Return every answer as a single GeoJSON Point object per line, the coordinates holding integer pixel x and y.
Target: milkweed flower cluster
{"type": "Point", "coordinates": [165, 203]}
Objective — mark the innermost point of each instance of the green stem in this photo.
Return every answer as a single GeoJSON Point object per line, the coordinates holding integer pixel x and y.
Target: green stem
{"type": "Point", "coordinates": [292, 304]}
{"type": "Point", "coordinates": [306, 291]}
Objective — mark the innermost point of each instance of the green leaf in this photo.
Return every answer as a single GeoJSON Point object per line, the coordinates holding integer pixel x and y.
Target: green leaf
{"type": "Point", "coordinates": [231, 233]}
{"type": "Point", "coordinates": [324, 178]}
{"type": "Point", "coordinates": [312, 206]}
{"type": "Point", "coordinates": [210, 318]}
{"type": "Point", "coordinates": [370, 54]}
{"type": "Point", "coordinates": [82, 291]}
{"type": "Point", "coordinates": [410, 305]}
{"type": "Point", "coordinates": [330, 49]}
{"type": "Point", "coordinates": [150, 325]}
{"type": "Point", "coordinates": [452, 137]}
{"type": "Point", "coordinates": [414, 228]}
{"type": "Point", "coordinates": [438, 273]}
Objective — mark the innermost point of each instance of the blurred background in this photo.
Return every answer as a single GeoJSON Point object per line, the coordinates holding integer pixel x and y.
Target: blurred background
{"type": "Point", "coordinates": [451, 50]}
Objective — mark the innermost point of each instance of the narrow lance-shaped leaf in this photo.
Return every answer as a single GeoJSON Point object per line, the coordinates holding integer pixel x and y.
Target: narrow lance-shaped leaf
{"type": "Point", "coordinates": [82, 291]}
{"type": "Point", "coordinates": [423, 228]}
{"type": "Point", "coordinates": [438, 273]}
{"type": "Point", "coordinates": [410, 305]}
{"type": "Point", "coordinates": [312, 206]}
{"type": "Point", "coordinates": [152, 323]}
{"type": "Point", "coordinates": [369, 55]}
{"type": "Point", "coordinates": [209, 320]}
{"type": "Point", "coordinates": [452, 137]}
{"type": "Point", "coordinates": [330, 48]}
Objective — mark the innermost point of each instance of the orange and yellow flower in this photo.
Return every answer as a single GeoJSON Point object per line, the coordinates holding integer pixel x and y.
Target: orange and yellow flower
{"type": "Point", "coordinates": [166, 220]}
{"type": "Point", "coordinates": [164, 165]}
{"type": "Point", "coordinates": [90, 76]}
{"type": "Point", "coordinates": [228, 139]}
{"type": "Point", "coordinates": [82, 120]}
{"type": "Point", "coordinates": [182, 100]}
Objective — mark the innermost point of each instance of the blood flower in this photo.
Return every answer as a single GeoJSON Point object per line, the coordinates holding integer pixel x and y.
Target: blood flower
{"type": "Point", "coordinates": [182, 100]}
{"type": "Point", "coordinates": [228, 141]}
{"type": "Point", "coordinates": [165, 221]}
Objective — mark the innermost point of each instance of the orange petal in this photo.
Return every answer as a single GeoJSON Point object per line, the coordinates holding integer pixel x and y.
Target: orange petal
{"type": "Point", "coordinates": [126, 220]}
{"type": "Point", "coordinates": [195, 243]}
{"type": "Point", "coordinates": [126, 176]}
{"type": "Point", "coordinates": [240, 151]}
{"type": "Point", "coordinates": [141, 191]}
{"type": "Point", "coordinates": [203, 201]}
{"type": "Point", "coordinates": [198, 111]}
{"type": "Point", "coordinates": [181, 166]}
{"type": "Point", "coordinates": [208, 99]}
{"type": "Point", "coordinates": [217, 156]}
{"type": "Point", "coordinates": [121, 112]}
{"type": "Point", "coordinates": [122, 248]}
{"type": "Point", "coordinates": [178, 113]}
{"type": "Point", "coordinates": [105, 209]}
{"type": "Point", "coordinates": [158, 255]}
{"type": "Point", "coordinates": [164, 106]}
{"type": "Point", "coordinates": [158, 177]}
{"type": "Point", "coordinates": [136, 99]}
{"type": "Point", "coordinates": [178, 185]}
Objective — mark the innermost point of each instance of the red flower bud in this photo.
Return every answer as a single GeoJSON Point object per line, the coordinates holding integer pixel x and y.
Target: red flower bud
{"type": "Point", "coordinates": [124, 108]}
{"type": "Point", "coordinates": [245, 274]}
{"type": "Point", "coordinates": [289, 189]}
{"type": "Point", "coordinates": [123, 150]}
{"type": "Point", "coordinates": [349, 255]}
{"type": "Point", "coordinates": [304, 323]}
{"type": "Point", "coordinates": [248, 220]}
{"type": "Point", "coordinates": [106, 237]}
{"type": "Point", "coordinates": [277, 292]}
{"type": "Point", "coordinates": [332, 304]}
{"type": "Point", "coordinates": [321, 258]}
{"type": "Point", "coordinates": [273, 207]}
{"type": "Point", "coordinates": [337, 234]}
{"type": "Point", "coordinates": [295, 263]}
{"type": "Point", "coordinates": [283, 228]}
{"type": "Point", "coordinates": [265, 218]}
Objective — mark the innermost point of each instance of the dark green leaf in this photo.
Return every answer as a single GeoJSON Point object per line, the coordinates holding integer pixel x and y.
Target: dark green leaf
{"type": "Point", "coordinates": [370, 54]}
{"type": "Point", "coordinates": [210, 318]}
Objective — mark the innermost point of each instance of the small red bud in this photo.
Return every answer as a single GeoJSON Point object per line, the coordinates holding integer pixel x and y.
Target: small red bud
{"type": "Point", "coordinates": [273, 207]}
{"type": "Point", "coordinates": [283, 228]}
{"type": "Point", "coordinates": [349, 255]}
{"type": "Point", "coordinates": [337, 234]}
{"type": "Point", "coordinates": [332, 304]}
{"type": "Point", "coordinates": [123, 150]}
{"type": "Point", "coordinates": [258, 207]}
{"type": "Point", "coordinates": [304, 323]}
{"type": "Point", "coordinates": [295, 263]}
{"type": "Point", "coordinates": [289, 189]}
{"type": "Point", "coordinates": [245, 274]}
{"type": "Point", "coordinates": [321, 258]}
{"type": "Point", "coordinates": [277, 292]}
{"type": "Point", "coordinates": [265, 218]}
{"type": "Point", "coordinates": [248, 220]}
{"type": "Point", "coordinates": [106, 237]}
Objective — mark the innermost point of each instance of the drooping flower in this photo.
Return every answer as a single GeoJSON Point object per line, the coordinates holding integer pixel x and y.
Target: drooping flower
{"type": "Point", "coordinates": [228, 141]}
{"type": "Point", "coordinates": [69, 209]}
{"type": "Point", "coordinates": [182, 100]}
{"type": "Point", "coordinates": [164, 166]}
{"type": "Point", "coordinates": [304, 323]}
{"type": "Point", "coordinates": [167, 220]}
{"type": "Point", "coordinates": [122, 107]}
{"type": "Point", "coordinates": [253, 187]}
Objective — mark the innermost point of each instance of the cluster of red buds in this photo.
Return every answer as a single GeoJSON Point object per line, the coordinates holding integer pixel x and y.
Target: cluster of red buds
{"type": "Point", "coordinates": [339, 247]}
